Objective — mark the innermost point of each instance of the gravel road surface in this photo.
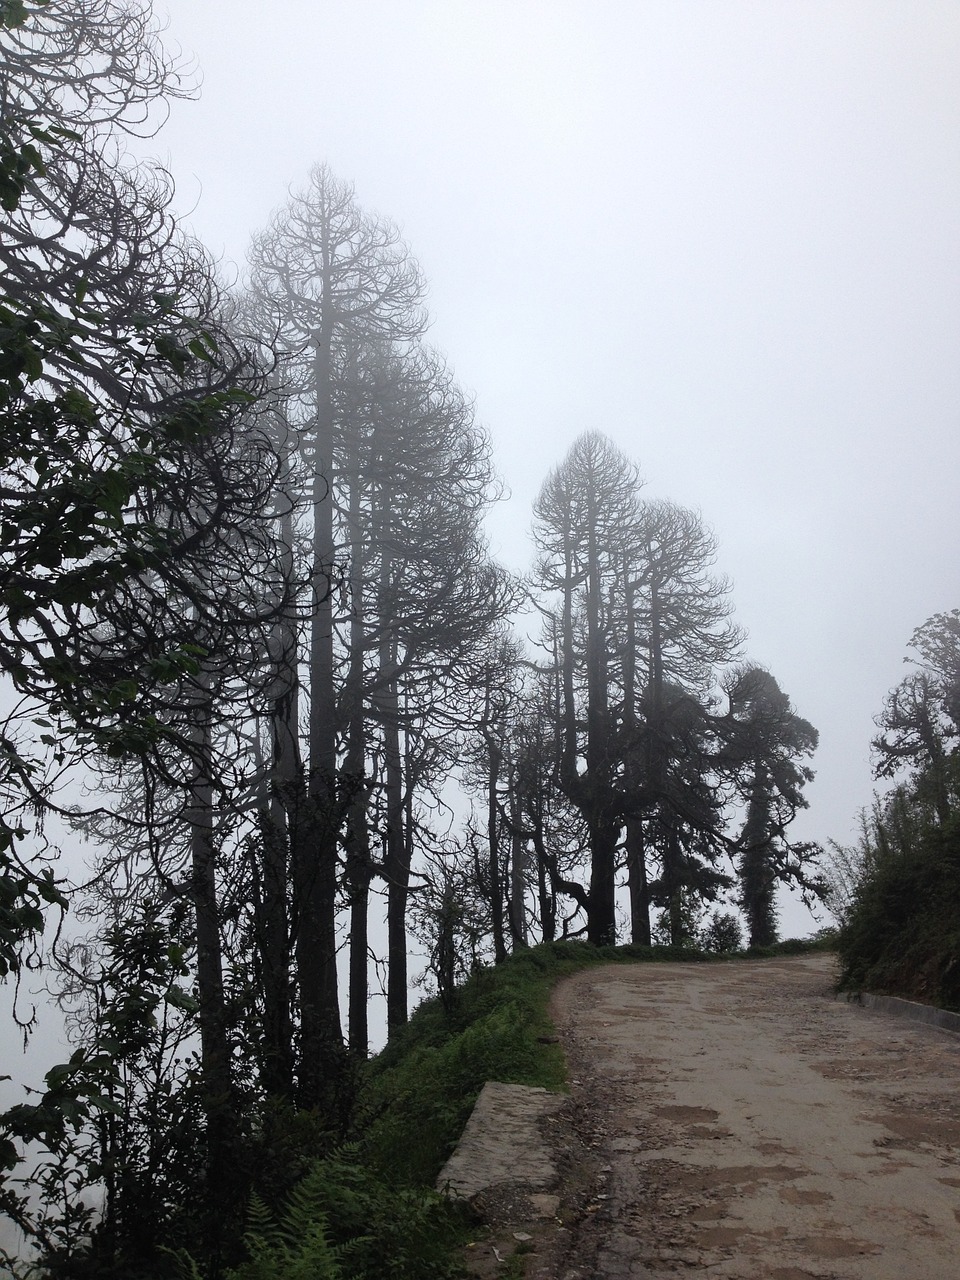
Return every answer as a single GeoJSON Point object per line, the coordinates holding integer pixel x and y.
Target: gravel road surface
{"type": "Point", "coordinates": [734, 1120]}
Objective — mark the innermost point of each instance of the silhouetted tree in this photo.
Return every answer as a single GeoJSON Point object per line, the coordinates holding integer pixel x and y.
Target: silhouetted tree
{"type": "Point", "coordinates": [763, 749]}
{"type": "Point", "coordinates": [585, 520]}
{"type": "Point", "coordinates": [640, 643]}
{"type": "Point", "coordinates": [921, 716]}
{"type": "Point", "coordinates": [333, 279]}
{"type": "Point", "coordinates": [138, 566]}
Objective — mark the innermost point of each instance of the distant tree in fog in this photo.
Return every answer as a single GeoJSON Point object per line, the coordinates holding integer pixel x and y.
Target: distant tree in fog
{"type": "Point", "coordinates": [655, 736]}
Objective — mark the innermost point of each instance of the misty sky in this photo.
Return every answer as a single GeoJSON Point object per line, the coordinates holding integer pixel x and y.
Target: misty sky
{"type": "Point", "coordinates": [727, 234]}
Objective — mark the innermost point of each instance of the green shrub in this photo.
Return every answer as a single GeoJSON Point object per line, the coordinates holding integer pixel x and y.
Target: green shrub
{"type": "Point", "coordinates": [902, 931]}
{"type": "Point", "coordinates": [342, 1222]}
{"type": "Point", "coordinates": [295, 1247]}
{"type": "Point", "coordinates": [420, 1090]}
{"type": "Point", "coordinates": [722, 934]}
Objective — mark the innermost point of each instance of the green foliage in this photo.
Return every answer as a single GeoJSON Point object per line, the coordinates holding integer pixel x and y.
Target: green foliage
{"type": "Point", "coordinates": [294, 1248]}
{"type": "Point", "coordinates": [897, 892]}
{"type": "Point", "coordinates": [95, 1121]}
{"type": "Point", "coordinates": [19, 161]}
{"type": "Point", "coordinates": [822, 940]}
{"type": "Point", "coordinates": [66, 540]}
{"type": "Point", "coordinates": [757, 866]}
{"type": "Point", "coordinates": [421, 1089]}
{"type": "Point", "coordinates": [368, 1210]}
{"type": "Point", "coordinates": [25, 893]}
{"type": "Point", "coordinates": [678, 924]}
{"type": "Point", "coordinates": [342, 1222]}
{"type": "Point", "coordinates": [14, 13]}
{"type": "Point", "coordinates": [901, 934]}
{"type": "Point", "coordinates": [722, 933]}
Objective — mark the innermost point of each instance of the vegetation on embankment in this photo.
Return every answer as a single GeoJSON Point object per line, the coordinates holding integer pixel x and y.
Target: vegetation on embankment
{"type": "Point", "coordinates": [901, 935]}
{"type": "Point", "coordinates": [362, 1205]}
{"type": "Point", "coordinates": [897, 891]}
{"type": "Point", "coordinates": [421, 1088]}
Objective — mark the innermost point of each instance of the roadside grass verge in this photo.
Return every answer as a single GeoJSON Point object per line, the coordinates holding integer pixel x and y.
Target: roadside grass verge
{"type": "Point", "coordinates": [822, 941]}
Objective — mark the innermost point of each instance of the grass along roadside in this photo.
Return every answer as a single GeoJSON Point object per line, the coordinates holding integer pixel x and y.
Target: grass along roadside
{"type": "Point", "coordinates": [419, 1091]}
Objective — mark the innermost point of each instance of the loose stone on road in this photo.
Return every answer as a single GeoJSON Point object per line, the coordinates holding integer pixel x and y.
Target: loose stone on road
{"type": "Point", "coordinates": [739, 1122]}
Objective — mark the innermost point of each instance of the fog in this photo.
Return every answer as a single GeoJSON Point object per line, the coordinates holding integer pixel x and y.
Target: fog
{"type": "Point", "coordinates": [724, 234]}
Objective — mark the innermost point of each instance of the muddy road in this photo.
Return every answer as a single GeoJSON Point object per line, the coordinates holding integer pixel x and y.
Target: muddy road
{"type": "Point", "coordinates": [734, 1120]}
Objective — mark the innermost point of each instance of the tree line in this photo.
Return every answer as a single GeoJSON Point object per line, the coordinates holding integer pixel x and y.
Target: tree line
{"type": "Point", "coordinates": [248, 607]}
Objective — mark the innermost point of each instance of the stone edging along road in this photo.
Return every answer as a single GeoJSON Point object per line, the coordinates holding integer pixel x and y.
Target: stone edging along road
{"type": "Point", "coordinates": [502, 1143]}
{"type": "Point", "coordinates": [928, 1014]}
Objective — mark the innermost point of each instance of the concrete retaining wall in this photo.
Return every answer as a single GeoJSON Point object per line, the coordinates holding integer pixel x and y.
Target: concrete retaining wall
{"type": "Point", "coordinates": [910, 1009]}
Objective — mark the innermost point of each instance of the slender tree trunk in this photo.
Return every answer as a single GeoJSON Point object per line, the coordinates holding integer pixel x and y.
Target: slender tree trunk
{"type": "Point", "coordinates": [603, 823]}
{"type": "Point", "coordinates": [518, 871]}
{"type": "Point", "coordinates": [357, 840]}
{"type": "Point", "coordinates": [567, 700]}
{"type": "Point", "coordinates": [444, 958]}
{"type": "Point", "coordinates": [358, 880]}
{"type": "Point", "coordinates": [494, 758]}
{"type": "Point", "coordinates": [273, 941]}
{"type": "Point", "coordinates": [223, 1193]}
{"type": "Point", "coordinates": [589, 793]}
{"type": "Point", "coordinates": [281, 815]}
{"type": "Point", "coordinates": [673, 883]}
{"type": "Point", "coordinates": [321, 1037]}
{"type": "Point", "coordinates": [637, 882]}
{"type": "Point", "coordinates": [396, 872]}
{"type": "Point", "coordinates": [635, 847]}
{"type": "Point", "coordinates": [545, 894]}
{"type": "Point", "coordinates": [398, 878]}
{"type": "Point", "coordinates": [601, 917]}
{"type": "Point", "coordinates": [398, 893]}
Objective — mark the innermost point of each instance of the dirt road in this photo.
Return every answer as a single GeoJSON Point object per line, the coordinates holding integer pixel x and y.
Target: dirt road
{"type": "Point", "coordinates": [735, 1120]}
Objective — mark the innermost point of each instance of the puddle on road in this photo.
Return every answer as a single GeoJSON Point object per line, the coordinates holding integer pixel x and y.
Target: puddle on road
{"type": "Point", "coordinates": [688, 1115]}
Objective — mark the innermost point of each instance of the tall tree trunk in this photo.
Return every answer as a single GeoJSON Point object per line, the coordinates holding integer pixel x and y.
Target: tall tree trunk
{"type": "Point", "coordinates": [281, 818]}
{"type": "Point", "coordinates": [601, 915]}
{"type": "Point", "coordinates": [637, 882]}
{"type": "Point", "coordinates": [545, 893]}
{"type": "Point", "coordinates": [494, 757]}
{"type": "Point", "coordinates": [398, 875]}
{"type": "Point", "coordinates": [603, 822]}
{"type": "Point", "coordinates": [273, 943]}
{"type": "Point", "coordinates": [518, 870]}
{"type": "Point", "coordinates": [396, 872]}
{"type": "Point", "coordinates": [358, 884]}
{"type": "Point", "coordinates": [357, 839]}
{"type": "Point", "coordinates": [321, 1037]}
{"type": "Point", "coordinates": [635, 846]}
{"type": "Point", "coordinates": [223, 1193]}
{"type": "Point", "coordinates": [673, 883]}
{"type": "Point", "coordinates": [758, 883]}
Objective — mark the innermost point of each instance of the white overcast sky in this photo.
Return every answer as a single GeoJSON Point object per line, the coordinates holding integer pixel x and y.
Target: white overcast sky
{"type": "Point", "coordinates": [726, 233]}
